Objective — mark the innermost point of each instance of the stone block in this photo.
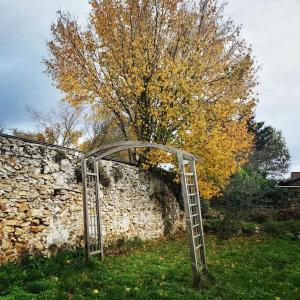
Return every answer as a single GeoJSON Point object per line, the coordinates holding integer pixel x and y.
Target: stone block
{"type": "Point", "coordinates": [6, 187]}
{"type": "Point", "coordinates": [8, 229]}
{"type": "Point", "coordinates": [36, 213]}
{"type": "Point", "coordinates": [11, 222]}
{"type": "Point", "coordinates": [23, 206]}
{"type": "Point", "coordinates": [36, 229]}
{"type": "Point", "coordinates": [22, 194]}
{"type": "Point", "coordinates": [19, 231]}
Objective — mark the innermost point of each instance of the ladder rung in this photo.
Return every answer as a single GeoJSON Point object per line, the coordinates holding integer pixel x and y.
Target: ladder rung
{"type": "Point", "coordinates": [197, 247]}
{"type": "Point", "coordinates": [190, 184]}
{"type": "Point", "coordinates": [189, 174]}
{"type": "Point", "coordinates": [191, 194]}
{"type": "Point", "coordinates": [196, 236]}
{"type": "Point", "coordinates": [91, 174]}
{"type": "Point", "coordinates": [196, 225]}
{"type": "Point", "coordinates": [194, 204]}
{"type": "Point", "coordinates": [95, 252]}
{"type": "Point", "coordinates": [194, 215]}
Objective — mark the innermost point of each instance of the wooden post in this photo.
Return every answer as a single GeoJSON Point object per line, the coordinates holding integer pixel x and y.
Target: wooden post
{"type": "Point", "coordinates": [85, 209]}
{"type": "Point", "coordinates": [98, 212]}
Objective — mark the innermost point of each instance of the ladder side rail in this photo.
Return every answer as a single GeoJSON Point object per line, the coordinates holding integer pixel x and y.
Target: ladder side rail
{"type": "Point", "coordinates": [203, 254]}
{"type": "Point", "coordinates": [98, 210]}
{"type": "Point", "coordinates": [85, 209]}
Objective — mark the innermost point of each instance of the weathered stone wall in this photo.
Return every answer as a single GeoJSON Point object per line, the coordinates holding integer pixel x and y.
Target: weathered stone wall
{"type": "Point", "coordinates": [41, 200]}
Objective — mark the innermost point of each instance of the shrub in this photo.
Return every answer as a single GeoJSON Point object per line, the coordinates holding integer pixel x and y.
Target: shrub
{"type": "Point", "coordinates": [59, 156]}
{"type": "Point", "coordinates": [280, 228]}
{"type": "Point", "coordinates": [43, 150]}
{"type": "Point", "coordinates": [248, 228]}
{"type": "Point", "coordinates": [293, 226]}
{"type": "Point", "coordinates": [78, 174]}
{"type": "Point", "coordinates": [227, 228]}
{"type": "Point", "coordinates": [117, 174]}
{"type": "Point", "coordinates": [169, 178]}
{"type": "Point", "coordinates": [210, 225]}
{"type": "Point", "coordinates": [274, 228]}
{"type": "Point", "coordinates": [39, 286]}
{"type": "Point", "coordinates": [289, 213]}
{"type": "Point", "coordinates": [104, 179]}
{"type": "Point", "coordinates": [259, 215]}
{"type": "Point", "coordinates": [243, 191]}
{"type": "Point", "coordinates": [161, 194]}
{"type": "Point", "coordinates": [249, 188]}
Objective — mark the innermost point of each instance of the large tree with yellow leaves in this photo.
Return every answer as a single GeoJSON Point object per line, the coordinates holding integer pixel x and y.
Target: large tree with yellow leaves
{"type": "Point", "coordinates": [167, 71]}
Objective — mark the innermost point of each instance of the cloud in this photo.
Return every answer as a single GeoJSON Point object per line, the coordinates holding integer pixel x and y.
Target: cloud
{"type": "Point", "coordinates": [273, 29]}
{"type": "Point", "coordinates": [24, 30]}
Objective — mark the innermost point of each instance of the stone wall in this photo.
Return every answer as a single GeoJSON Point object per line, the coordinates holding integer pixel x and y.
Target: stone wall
{"type": "Point", "coordinates": [41, 200]}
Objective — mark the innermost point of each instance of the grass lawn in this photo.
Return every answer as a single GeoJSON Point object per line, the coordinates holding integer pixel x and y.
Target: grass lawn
{"type": "Point", "coordinates": [241, 268]}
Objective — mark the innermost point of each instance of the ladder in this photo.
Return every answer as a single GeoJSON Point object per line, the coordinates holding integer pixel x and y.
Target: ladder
{"type": "Point", "coordinates": [192, 209]}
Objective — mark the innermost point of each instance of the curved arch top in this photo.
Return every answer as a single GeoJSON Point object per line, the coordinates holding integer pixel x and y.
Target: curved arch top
{"type": "Point", "coordinates": [189, 190]}
{"type": "Point", "coordinates": [109, 149]}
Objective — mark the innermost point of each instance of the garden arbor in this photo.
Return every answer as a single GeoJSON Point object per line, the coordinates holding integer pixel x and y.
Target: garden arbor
{"type": "Point", "coordinates": [189, 188]}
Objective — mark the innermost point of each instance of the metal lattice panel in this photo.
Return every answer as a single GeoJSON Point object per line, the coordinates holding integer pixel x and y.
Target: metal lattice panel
{"type": "Point", "coordinates": [92, 213]}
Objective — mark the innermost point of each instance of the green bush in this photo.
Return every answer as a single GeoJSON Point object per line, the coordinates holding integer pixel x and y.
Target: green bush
{"type": "Point", "coordinates": [227, 228]}
{"type": "Point", "coordinates": [243, 191]}
{"type": "Point", "coordinates": [289, 213]}
{"type": "Point", "coordinates": [104, 179]}
{"type": "Point", "coordinates": [211, 225]}
{"type": "Point", "coordinates": [259, 215]}
{"type": "Point", "coordinates": [248, 189]}
{"type": "Point", "coordinates": [274, 227]}
{"type": "Point", "coordinates": [117, 174]}
{"type": "Point", "coordinates": [278, 228]}
{"type": "Point", "coordinates": [248, 228]}
{"type": "Point", "coordinates": [293, 226]}
{"type": "Point", "coordinates": [59, 156]}
{"type": "Point", "coordinates": [38, 286]}
{"type": "Point", "coordinates": [78, 174]}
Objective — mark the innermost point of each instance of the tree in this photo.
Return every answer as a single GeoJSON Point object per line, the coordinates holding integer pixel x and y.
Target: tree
{"type": "Point", "coordinates": [166, 71]}
{"type": "Point", "coordinates": [99, 132]}
{"type": "Point", "coordinates": [271, 155]}
{"type": "Point", "coordinates": [59, 126]}
{"type": "Point", "coordinates": [35, 136]}
{"type": "Point", "coordinates": [246, 189]}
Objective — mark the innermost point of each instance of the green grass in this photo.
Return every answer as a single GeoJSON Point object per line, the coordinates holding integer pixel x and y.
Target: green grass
{"type": "Point", "coordinates": [240, 268]}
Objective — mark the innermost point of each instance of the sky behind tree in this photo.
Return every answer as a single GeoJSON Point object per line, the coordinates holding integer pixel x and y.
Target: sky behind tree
{"type": "Point", "coordinates": [272, 28]}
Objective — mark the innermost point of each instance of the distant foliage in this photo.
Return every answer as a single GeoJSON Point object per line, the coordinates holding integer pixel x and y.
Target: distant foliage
{"type": "Point", "coordinates": [35, 136]}
{"type": "Point", "coordinates": [58, 126]}
{"type": "Point", "coordinates": [98, 132]}
{"type": "Point", "coordinates": [271, 156]}
{"type": "Point", "coordinates": [248, 189]}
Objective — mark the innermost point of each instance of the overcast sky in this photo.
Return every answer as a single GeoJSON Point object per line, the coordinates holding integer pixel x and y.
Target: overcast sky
{"type": "Point", "coordinates": [272, 27]}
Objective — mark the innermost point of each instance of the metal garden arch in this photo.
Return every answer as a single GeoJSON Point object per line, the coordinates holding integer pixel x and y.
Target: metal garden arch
{"type": "Point", "coordinates": [189, 187]}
